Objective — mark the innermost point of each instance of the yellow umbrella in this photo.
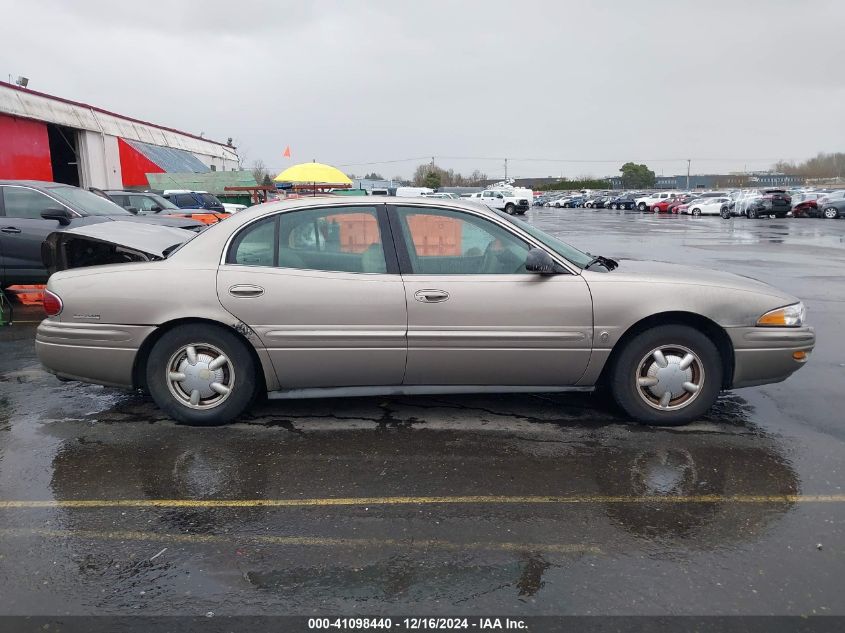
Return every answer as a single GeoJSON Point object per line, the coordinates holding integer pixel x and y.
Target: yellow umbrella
{"type": "Point", "coordinates": [314, 173]}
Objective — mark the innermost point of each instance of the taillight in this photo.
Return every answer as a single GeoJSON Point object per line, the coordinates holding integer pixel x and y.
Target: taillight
{"type": "Point", "coordinates": [52, 303]}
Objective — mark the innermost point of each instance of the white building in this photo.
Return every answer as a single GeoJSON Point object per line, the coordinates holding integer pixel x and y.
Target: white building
{"type": "Point", "coordinates": [43, 137]}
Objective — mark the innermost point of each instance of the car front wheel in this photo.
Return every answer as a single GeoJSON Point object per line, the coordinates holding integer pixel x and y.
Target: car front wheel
{"type": "Point", "coordinates": [668, 375]}
{"type": "Point", "coordinates": [725, 213]}
{"type": "Point", "coordinates": [201, 374]}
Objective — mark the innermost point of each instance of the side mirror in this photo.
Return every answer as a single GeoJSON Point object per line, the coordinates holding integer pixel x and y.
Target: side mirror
{"type": "Point", "coordinates": [155, 208]}
{"type": "Point", "coordinates": [500, 196]}
{"type": "Point", "coordinates": [539, 261]}
{"type": "Point", "coordinates": [60, 215]}
{"type": "Point", "coordinates": [132, 210]}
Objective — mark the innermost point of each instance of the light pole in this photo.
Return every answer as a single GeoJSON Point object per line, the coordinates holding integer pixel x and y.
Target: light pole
{"type": "Point", "coordinates": [689, 160]}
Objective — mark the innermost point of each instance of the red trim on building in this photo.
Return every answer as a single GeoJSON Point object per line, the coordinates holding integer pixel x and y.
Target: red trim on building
{"type": "Point", "coordinates": [115, 114]}
{"type": "Point", "coordinates": [24, 149]}
{"type": "Point", "coordinates": [134, 166]}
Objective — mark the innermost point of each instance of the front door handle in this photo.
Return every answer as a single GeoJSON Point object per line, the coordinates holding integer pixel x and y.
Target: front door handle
{"type": "Point", "coordinates": [431, 296]}
{"type": "Point", "coordinates": [10, 229]}
{"type": "Point", "coordinates": [246, 290]}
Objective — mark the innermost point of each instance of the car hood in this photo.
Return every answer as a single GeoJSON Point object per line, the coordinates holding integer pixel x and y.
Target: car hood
{"type": "Point", "coordinates": [109, 243]}
{"type": "Point", "coordinates": [666, 272]}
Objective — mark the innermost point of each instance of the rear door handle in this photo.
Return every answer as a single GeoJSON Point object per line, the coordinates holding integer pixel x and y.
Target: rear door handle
{"type": "Point", "coordinates": [10, 229]}
{"type": "Point", "coordinates": [246, 290]}
{"type": "Point", "coordinates": [431, 296]}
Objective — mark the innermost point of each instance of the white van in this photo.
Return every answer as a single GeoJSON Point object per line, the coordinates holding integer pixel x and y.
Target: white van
{"type": "Point", "coordinates": [412, 192]}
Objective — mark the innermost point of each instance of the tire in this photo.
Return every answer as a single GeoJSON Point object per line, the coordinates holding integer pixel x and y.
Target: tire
{"type": "Point", "coordinates": [642, 206]}
{"type": "Point", "coordinates": [751, 214]}
{"type": "Point", "coordinates": [509, 208]}
{"type": "Point", "coordinates": [238, 375]}
{"type": "Point", "coordinates": [725, 213]}
{"type": "Point", "coordinates": [830, 213]}
{"type": "Point", "coordinates": [696, 211]}
{"type": "Point", "coordinates": [616, 207]}
{"type": "Point", "coordinates": [637, 363]}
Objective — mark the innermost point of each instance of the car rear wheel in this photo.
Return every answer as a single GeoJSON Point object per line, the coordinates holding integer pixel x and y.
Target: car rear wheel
{"type": "Point", "coordinates": [696, 211]}
{"type": "Point", "coordinates": [509, 209]}
{"type": "Point", "coordinates": [201, 375]}
{"type": "Point", "coordinates": [725, 213]}
{"type": "Point", "coordinates": [642, 206]}
{"type": "Point", "coordinates": [830, 213]}
{"type": "Point", "coordinates": [668, 375]}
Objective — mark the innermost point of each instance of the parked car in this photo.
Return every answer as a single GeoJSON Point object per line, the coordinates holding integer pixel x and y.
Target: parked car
{"type": "Point", "coordinates": [624, 201]}
{"type": "Point", "coordinates": [185, 199]}
{"type": "Point", "coordinates": [828, 203]}
{"type": "Point", "coordinates": [763, 202]}
{"type": "Point", "coordinates": [503, 200]}
{"type": "Point", "coordinates": [832, 208]}
{"type": "Point", "coordinates": [804, 205]}
{"type": "Point", "coordinates": [645, 203]}
{"type": "Point", "coordinates": [148, 203]}
{"type": "Point", "coordinates": [707, 206]}
{"type": "Point", "coordinates": [673, 204]}
{"type": "Point", "coordinates": [602, 201]}
{"type": "Point", "coordinates": [30, 210]}
{"type": "Point", "coordinates": [459, 298]}
{"type": "Point", "coordinates": [573, 202]}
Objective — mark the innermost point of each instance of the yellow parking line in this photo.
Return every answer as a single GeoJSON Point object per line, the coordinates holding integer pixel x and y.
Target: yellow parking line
{"type": "Point", "coordinates": [386, 501]}
{"type": "Point", "coordinates": [265, 539]}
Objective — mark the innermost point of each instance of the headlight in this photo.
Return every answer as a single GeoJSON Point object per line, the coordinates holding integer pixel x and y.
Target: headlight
{"type": "Point", "coordinates": [788, 316]}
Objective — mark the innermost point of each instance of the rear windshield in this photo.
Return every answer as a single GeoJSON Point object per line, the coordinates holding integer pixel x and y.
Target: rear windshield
{"type": "Point", "coordinates": [86, 202]}
{"type": "Point", "coordinates": [207, 198]}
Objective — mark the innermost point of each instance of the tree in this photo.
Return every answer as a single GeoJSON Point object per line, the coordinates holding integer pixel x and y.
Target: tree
{"type": "Point", "coordinates": [635, 176]}
{"type": "Point", "coordinates": [432, 179]}
{"type": "Point", "coordinates": [373, 176]}
{"type": "Point", "coordinates": [259, 171]}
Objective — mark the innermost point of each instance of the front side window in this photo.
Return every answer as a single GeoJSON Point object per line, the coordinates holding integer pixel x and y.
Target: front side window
{"type": "Point", "coordinates": [26, 203]}
{"type": "Point", "coordinates": [85, 201]}
{"type": "Point", "coordinates": [446, 242]}
{"type": "Point", "coordinates": [338, 239]}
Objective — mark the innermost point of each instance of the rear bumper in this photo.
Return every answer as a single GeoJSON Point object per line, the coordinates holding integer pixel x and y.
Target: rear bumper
{"type": "Point", "coordinates": [103, 354]}
{"type": "Point", "coordinates": [766, 355]}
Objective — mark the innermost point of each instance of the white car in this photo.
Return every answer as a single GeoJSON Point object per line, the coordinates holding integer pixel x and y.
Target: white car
{"type": "Point", "coordinates": [647, 202]}
{"type": "Point", "coordinates": [706, 206]}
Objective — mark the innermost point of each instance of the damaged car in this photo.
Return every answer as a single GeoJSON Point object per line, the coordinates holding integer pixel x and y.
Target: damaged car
{"type": "Point", "coordinates": [32, 210]}
{"type": "Point", "coordinates": [322, 297]}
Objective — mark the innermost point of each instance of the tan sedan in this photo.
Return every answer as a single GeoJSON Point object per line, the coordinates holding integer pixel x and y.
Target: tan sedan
{"type": "Point", "coordinates": [339, 297]}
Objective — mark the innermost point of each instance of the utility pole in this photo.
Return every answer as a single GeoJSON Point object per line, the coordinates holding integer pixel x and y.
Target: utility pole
{"type": "Point", "coordinates": [689, 160]}
{"type": "Point", "coordinates": [506, 169]}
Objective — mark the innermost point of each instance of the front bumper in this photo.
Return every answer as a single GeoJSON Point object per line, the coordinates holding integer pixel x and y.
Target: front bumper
{"type": "Point", "coordinates": [99, 353]}
{"type": "Point", "coordinates": [766, 355]}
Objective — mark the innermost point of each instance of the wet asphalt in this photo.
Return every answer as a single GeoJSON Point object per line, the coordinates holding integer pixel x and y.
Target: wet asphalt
{"type": "Point", "coordinates": [511, 504]}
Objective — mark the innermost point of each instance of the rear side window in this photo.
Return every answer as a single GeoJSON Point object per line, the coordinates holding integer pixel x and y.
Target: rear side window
{"type": "Point", "coordinates": [337, 239]}
{"type": "Point", "coordinates": [255, 245]}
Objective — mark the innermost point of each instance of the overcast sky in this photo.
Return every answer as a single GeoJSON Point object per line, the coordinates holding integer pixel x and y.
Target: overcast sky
{"type": "Point", "coordinates": [554, 86]}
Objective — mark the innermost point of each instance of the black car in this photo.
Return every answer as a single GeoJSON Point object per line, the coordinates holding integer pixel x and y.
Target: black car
{"type": "Point", "coordinates": [602, 201]}
{"type": "Point", "coordinates": [195, 200]}
{"type": "Point", "coordinates": [625, 201]}
{"type": "Point", "coordinates": [30, 210]}
{"type": "Point", "coordinates": [765, 202]}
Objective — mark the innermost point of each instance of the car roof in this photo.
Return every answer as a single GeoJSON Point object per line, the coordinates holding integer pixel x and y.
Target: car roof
{"type": "Point", "coordinates": [43, 184]}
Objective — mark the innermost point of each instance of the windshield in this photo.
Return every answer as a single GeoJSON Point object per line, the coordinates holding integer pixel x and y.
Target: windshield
{"type": "Point", "coordinates": [164, 203]}
{"type": "Point", "coordinates": [86, 202]}
{"type": "Point", "coordinates": [570, 253]}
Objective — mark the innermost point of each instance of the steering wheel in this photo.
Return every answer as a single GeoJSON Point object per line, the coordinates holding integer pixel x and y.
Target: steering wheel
{"type": "Point", "coordinates": [499, 260]}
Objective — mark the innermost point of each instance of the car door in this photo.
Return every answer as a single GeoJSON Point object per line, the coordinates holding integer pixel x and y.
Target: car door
{"type": "Point", "coordinates": [321, 289]}
{"type": "Point", "coordinates": [475, 316]}
{"type": "Point", "coordinates": [22, 230]}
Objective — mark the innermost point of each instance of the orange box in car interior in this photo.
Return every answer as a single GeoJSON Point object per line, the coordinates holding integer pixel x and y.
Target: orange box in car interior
{"type": "Point", "coordinates": [435, 235]}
